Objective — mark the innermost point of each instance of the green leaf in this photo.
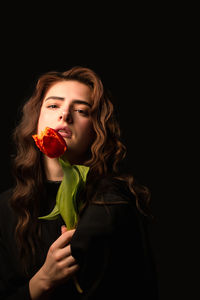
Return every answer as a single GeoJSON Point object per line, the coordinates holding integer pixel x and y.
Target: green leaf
{"type": "Point", "coordinates": [74, 180]}
{"type": "Point", "coordinates": [53, 215]}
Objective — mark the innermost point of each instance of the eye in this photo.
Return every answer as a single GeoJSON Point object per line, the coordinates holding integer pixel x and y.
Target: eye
{"type": "Point", "coordinates": [82, 112]}
{"type": "Point", "coordinates": [52, 106]}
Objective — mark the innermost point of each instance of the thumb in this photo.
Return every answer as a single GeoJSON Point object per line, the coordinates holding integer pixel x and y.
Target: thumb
{"type": "Point", "coordinates": [63, 229]}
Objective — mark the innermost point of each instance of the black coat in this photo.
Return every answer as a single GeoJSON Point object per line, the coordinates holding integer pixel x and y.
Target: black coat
{"type": "Point", "coordinates": [110, 244]}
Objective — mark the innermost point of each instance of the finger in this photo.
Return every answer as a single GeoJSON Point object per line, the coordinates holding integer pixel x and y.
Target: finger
{"type": "Point", "coordinates": [64, 239]}
{"type": "Point", "coordinates": [63, 253]}
{"type": "Point", "coordinates": [68, 262]}
{"type": "Point", "coordinates": [63, 229]}
{"type": "Point", "coordinates": [73, 269]}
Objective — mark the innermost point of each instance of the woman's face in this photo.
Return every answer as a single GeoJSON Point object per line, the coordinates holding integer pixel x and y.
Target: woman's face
{"type": "Point", "coordinates": [66, 108]}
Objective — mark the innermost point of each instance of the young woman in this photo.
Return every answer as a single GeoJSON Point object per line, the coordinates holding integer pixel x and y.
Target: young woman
{"type": "Point", "coordinates": [107, 255]}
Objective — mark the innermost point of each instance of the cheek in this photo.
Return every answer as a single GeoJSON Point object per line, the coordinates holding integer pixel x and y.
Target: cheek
{"type": "Point", "coordinates": [87, 131]}
{"type": "Point", "coordinates": [45, 120]}
{"type": "Point", "coordinates": [42, 122]}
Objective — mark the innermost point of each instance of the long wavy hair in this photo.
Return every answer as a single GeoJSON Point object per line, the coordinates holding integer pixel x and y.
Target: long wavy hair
{"type": "Point", "coordinates": [107, 151]}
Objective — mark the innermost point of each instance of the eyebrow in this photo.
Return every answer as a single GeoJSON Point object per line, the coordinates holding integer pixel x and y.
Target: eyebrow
{"type": "Point", "coordinates": [75, 101]}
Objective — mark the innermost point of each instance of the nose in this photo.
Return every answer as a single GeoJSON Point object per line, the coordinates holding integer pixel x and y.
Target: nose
{"type": "Point", "coordinates": [65, 115]}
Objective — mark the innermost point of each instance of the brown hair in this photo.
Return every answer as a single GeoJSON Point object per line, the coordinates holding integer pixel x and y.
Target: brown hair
{"type": "Point", "coordinates": [107, 151]}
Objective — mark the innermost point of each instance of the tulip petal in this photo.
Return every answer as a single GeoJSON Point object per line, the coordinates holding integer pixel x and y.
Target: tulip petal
{"type": "Point", "coordinates": [50, 142]}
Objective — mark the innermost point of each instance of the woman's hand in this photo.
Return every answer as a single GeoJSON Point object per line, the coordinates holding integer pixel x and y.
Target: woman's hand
{"type": "Point", "coordinates": [59, 266]}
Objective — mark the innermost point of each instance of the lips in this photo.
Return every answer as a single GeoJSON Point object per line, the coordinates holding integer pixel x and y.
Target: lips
{"type": "Point", "coordinates": [64, 131]}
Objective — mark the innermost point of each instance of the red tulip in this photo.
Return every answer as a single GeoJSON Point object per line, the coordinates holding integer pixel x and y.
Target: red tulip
{"type": "Point", "coordinates": [50, 142]}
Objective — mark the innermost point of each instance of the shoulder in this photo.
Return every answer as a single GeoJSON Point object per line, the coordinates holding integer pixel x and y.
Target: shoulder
{"type": "Point", "coordinates": [112, 190]}
{"type": "Point", "coordinates": [112, 205]}
{"type": "Point", "coordinates": [107, 218]}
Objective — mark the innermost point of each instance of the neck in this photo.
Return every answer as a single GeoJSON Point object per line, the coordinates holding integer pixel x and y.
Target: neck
{"type": "Point", "coordinates": [53, 169]}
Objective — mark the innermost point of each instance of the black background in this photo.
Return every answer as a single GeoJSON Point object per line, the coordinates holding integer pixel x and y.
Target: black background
{"type": "Point", "coordinates": [140, 57]}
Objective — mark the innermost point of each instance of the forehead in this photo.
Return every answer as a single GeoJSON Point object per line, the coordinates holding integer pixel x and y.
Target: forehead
{"type": "Point", "coordinates": [70, 89]}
